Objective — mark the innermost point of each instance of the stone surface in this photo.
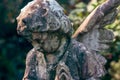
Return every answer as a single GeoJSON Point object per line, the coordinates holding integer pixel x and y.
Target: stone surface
{"type": "Point", "coordinates": [55, 55]}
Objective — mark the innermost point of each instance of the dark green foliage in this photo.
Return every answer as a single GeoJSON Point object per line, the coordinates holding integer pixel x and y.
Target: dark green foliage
{"type": "Point", "coordinates": [13, 48]}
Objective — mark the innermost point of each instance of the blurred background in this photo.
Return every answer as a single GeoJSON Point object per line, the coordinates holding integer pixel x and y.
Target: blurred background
{"type": "Point", "coordinates": [13, 48]}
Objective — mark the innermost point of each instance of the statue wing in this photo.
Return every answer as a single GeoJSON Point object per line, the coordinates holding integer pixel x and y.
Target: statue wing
{"type": "Point", "coordinates": [92, 32]}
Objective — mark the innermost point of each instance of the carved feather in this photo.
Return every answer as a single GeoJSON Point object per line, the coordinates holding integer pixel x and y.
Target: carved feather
{"type": "Point", "coordinates": [62, 72]}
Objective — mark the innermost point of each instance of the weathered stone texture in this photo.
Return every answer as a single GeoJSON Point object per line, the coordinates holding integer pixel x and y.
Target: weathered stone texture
{"type": "Point", "coordinates": [57, 56]}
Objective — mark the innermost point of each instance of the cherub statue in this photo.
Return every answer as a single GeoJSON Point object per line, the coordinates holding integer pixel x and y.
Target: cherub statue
{"type": "Point", "coordinates": [56, 54]}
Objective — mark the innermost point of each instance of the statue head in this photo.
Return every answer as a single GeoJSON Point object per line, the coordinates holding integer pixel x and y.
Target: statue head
{"type": "Point", "coordinates": [44, 18]}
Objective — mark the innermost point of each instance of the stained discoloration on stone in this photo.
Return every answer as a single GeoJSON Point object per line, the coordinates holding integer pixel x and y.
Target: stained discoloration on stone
{"type": "Point", "coordinates": [55, 55]}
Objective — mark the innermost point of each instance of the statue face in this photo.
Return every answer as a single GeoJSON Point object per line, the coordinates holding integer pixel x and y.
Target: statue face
{"type": "Point", "coordinates": [46, 20]}
{"type": "Point", "coordinates": [35, 24]}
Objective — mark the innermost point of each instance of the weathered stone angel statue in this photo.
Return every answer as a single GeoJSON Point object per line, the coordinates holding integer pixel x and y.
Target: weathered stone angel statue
{"type": "Point", "coordinates": [58, 54]}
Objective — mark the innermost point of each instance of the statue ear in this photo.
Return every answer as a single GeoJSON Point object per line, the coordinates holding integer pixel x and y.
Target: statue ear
{"type": "Point", "coordinates": [45, 11]}
{"type": "Point", "coordinates": [66, 26]}
{"type": "Point", "coordinates": [59, 22]}
{"type": "Point", "coordinates": [53, 22]}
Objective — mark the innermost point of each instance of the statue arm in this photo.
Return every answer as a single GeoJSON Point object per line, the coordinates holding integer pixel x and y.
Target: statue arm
{"type": "Point", "coordinates": [30, 72]}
